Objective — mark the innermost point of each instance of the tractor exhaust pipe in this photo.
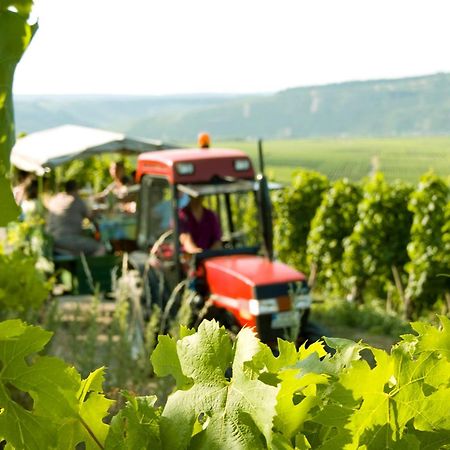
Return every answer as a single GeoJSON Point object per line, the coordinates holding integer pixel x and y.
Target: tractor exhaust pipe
{"type": "Point", "coordinates": [265, 205]}
{"type": "Point", "coordinates": [260, 157]}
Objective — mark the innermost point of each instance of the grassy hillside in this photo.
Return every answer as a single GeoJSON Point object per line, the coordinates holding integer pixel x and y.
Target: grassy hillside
{"type": "Point", "coordinates": [313, 127]}
{"type": "Point", "coordinates": [115, 113]}
{"type": "Point", "coordinates": [409, 106]}
{"type": "Point", "coordinates": [402, 107]}
{"type": "Point", "coordinates": [403, 158]}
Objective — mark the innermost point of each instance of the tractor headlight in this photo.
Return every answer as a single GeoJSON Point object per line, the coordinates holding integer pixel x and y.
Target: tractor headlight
{"type": "Point", "coordinates": [184, 168]}
{"type": "Point", "coordinates": [241, 165]}
{"type": "Point", "coordinates": [266, 306]}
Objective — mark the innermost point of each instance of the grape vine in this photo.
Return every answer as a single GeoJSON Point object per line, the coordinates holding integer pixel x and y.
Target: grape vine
{"type": "Point", "coordinates": [294, 209]}
{"type": "Point", "coordinates": [333, 221]}
{"type": "Point", "coordinates": [429, 249]}
{"type": "Point", "coordinates": [236, 394]}
{"type": "Point", "coordinates": [377, 246]}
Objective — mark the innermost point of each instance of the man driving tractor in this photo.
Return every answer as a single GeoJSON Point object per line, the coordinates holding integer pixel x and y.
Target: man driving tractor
{"type": "Point", "coordinates": [199, 227]}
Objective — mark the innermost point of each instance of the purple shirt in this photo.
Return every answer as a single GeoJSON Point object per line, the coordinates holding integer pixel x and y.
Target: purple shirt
{"type": "Point", "coordinates": [203, 233]}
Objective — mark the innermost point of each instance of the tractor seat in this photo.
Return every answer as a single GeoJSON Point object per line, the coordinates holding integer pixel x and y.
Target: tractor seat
{"type": "Point", "coordinates": [61, 255]}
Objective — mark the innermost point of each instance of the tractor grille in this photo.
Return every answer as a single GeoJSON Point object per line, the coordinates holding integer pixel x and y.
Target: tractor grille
{"type": "Point", "coordinates": [266, 333]}
{"type": "Point", "coordinates": [280, 289]}
{"type": "Point", "coordinates": [269, 335]}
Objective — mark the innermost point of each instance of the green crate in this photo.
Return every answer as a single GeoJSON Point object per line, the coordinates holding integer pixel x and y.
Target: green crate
{"type": "Point", "coordinates": [100, 268]}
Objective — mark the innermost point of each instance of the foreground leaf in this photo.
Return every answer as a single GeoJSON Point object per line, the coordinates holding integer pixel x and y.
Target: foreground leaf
{"type": "Point", "coordinates": [84, 423]}
{"type": "Point", "coordinates": [216, 413]}
{"type": "Point", "coordinates": [39, 382]}
{"type": "Point", "coordinates": [136, 427]}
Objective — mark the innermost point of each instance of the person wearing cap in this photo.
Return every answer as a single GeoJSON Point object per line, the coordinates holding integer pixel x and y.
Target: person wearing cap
{"type": "Point", "coordinates": [203, 140]}
{"type": "Point", "coordinates": [199, 227]}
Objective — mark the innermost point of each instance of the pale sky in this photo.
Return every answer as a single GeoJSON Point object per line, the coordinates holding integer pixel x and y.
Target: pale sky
{"type": "Point", "coordinates": [159, 47]}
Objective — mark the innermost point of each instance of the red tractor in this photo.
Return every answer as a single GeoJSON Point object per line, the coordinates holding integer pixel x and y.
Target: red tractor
{"type": "Point", "coordinates": [240, 285]}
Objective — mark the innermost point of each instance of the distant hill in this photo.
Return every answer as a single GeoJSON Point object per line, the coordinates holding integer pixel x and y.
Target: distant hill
{"type": "Point", "coordinates": [115, 113]}
{"type": "Point", "coordinates": [400, 107]}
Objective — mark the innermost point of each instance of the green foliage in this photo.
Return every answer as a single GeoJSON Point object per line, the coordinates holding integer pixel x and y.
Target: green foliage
{"type": "Point", "coordinates": [245, 209]}
{"type": "Point", "coordinates": [236, 395]}
{"type": "Point", "coordinates": [333, 221]}
{"type": "Point", "coordinates": [136, 426]}
{"type": "Point", "coordinates": [22, 286]}
{"type": "Point", "coordinates": [64, 410]}
{"type": "Point", "coordinates": [23, 7]}
{"type": "Point", "coordinates": [379, 238]}
{"type": "Point", "coordinates": [398, 223]}
{"type": "Point", "coordinates": [398, 400]}
{"type": "Point", "coordinates": [28, 236]}
{"type": "Point", "coordinates": [320, 401]}
{"type": "Point", "coordinates": [216, 413]}
{"type": "Point", "coordinates": [15, 35]}
{"type": "Point", "coordinates": [26, 275]}
{"type": "Point", "coordinates": [371, 317]}
{"type": "Point", "coordinates": [294, 209]}
{"type": "Point", "coordinates": [93, 171]}
{"type": "Point", "coordinates": [91, 325]}
{"type": "Point", "coordinates": [429, 249]}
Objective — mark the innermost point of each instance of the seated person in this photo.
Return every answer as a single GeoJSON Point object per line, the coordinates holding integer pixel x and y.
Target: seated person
{"type": "Point", "coordinates": [66, 212]}
{"type": "Point", "coordinates": [118, 190]}
{"type": "Point", "coordinates": [24, 179]}
{"type": "Point", "coordinates": [199, 227]}
{"type": "Point", "coordinates": [29, 203]}
{"type": "Point", "coordinates": [118, 187]}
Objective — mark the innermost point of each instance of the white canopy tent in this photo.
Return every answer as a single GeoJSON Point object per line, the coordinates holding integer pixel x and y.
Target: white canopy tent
{"type": "Point", "coordinates": [39, 152]}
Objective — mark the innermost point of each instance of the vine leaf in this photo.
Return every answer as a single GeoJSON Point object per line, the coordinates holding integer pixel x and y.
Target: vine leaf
{"type": "Point", "coordinates": [84, 421]}
{"type": "Point", "coordinates": [136, 426]}
{"type": "Point", "coordinates": [37, 381]}
{"type": "Point", "coordinates": [43, 401]}
{"type": "Point", "coordinates": [296, 398]}
{"type": "Point", "coordinates": [11, 328]}
{"type": "Point", "coordinates": [433, 339]}
{"type": "Point", "coordinates": [378, 404]}
{"type": "Point", "coordinates": [165, 361]}
{"type": "Point", "coordinates": [434, 412]}
{"type": "Point", "coordinates": [265, 366]}
{"type": "Point", "coordinates": [315, 359]}
{"type": "Point", "coordinates": [217, 412]}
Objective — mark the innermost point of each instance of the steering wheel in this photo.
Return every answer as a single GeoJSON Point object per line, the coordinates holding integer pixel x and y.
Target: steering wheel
{"type": "Point", "coordinates": [235, 239]}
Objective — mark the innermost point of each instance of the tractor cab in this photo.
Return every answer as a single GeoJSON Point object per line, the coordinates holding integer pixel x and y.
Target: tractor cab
{"type": "Point", "coordinates": [241, 282]}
